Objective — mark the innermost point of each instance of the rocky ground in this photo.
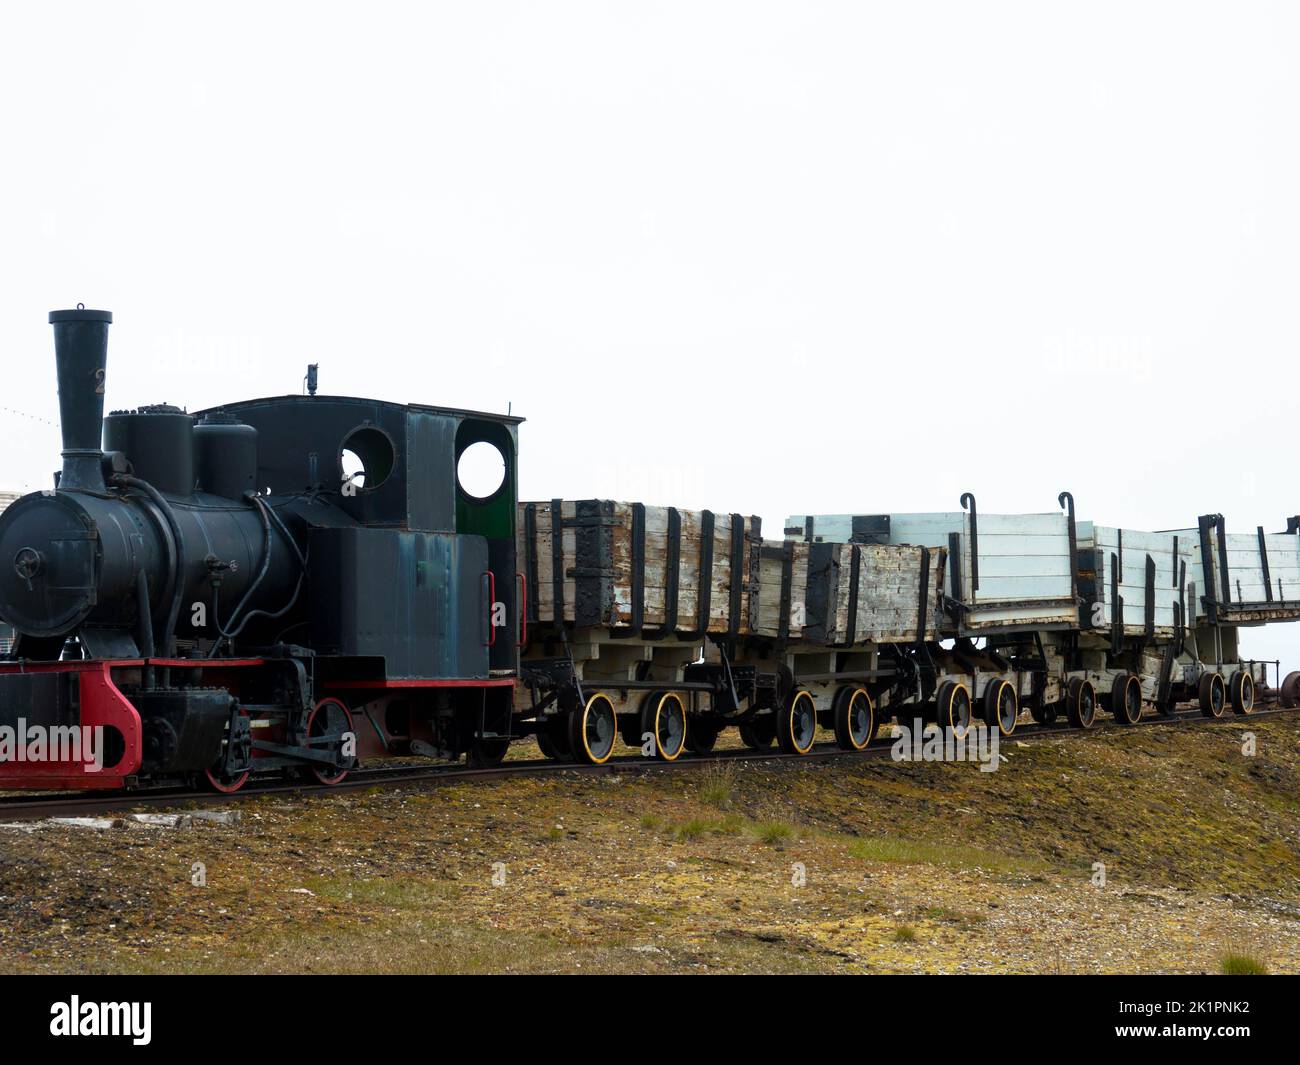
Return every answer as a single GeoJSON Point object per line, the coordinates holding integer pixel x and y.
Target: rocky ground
{"type": "Point", "coordinates": [847, 866]}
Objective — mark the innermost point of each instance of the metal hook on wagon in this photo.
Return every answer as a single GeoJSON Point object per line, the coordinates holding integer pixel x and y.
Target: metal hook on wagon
{"type": "Point", "coordinates": [1066, 500]}
{"type": "Point", "coordinates": [968, 503]}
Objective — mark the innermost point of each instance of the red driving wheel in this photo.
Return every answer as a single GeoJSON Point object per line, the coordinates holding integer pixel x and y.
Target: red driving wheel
{"type": "Point", "coordinates": [227, 786]}
{"type": "Point", "coordinates": [329, 721]}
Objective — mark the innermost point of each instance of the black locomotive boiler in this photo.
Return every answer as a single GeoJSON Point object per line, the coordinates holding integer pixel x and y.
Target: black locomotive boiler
{"type": "Point", "coordinates": [221, 598]}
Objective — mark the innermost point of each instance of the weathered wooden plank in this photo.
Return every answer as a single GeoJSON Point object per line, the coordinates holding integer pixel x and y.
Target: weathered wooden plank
{"type": "Point", "coordinates": [619, 567]}
{"type": "Point", "coordinates": [1055, 566]}
{"type": "Point", "coordinates": [993, 589]}
{"type": "Point", "coordinates": [888, 595]}
{"type": "Point", "coordinates": [1136, 545]}
{"type": "Point", "coordinates": [1018, 616]}
{"type": "Point", "coordinates": [771, 573]}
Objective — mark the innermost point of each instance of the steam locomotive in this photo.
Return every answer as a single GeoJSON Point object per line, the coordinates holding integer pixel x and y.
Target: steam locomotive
{"type": "Point", "coordinates": [215, 596]}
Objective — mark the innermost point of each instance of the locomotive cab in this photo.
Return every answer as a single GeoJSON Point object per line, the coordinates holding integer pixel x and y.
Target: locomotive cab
{"type": "Point", "coordinates": [418, 585]}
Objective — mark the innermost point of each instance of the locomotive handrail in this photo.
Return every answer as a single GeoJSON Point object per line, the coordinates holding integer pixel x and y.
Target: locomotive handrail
{"type": "Point", "coordinates": [523, 609]}
{"type": "Point", "coordinates": [492, 598]}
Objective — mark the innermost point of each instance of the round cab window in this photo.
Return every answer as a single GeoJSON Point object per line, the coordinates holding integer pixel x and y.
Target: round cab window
{"type": "Point", "coordinates": [481, 470]}
{"type": "Point", "coordinates": [366, 458]}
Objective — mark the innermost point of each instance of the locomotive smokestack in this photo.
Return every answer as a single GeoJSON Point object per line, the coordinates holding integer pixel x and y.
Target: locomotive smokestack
{"type": "Point", "coordinates": [80, 356]}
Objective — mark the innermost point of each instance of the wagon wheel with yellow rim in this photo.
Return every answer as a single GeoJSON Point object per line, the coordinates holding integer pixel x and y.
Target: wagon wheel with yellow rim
{"type": "Point", "coordinates": [1211, 694]}
{"type": "Point", "coordinates": [1126, 699]}
{"type": "Point", "coordinates": [593, 728]}
{"type": "Point", "coordinates": [796, 723]}
{"type": "Point", "coordinates": [953, 706]}
{"type": "Point", "coordinates": [1081, 702]}
{"type": "Point", "coordinates": [1001, 706]}
{"type": "Point", "coordinates": [663, 725]}
{"type": "Point", "coordinates": [1242, 692]}
{"type": "Point", "coordinates": [854, 714]}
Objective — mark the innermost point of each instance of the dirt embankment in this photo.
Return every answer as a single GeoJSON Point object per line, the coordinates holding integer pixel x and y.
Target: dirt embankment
{"type": "Point", "coordinates": [848, 866]}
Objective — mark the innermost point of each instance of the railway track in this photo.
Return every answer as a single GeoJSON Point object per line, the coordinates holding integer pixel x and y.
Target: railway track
{"type": "Point", "coordinates": [82, 804]}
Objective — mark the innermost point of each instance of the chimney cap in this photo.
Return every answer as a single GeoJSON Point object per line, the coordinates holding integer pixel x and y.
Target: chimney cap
{"type": "Point", "coordinates": [80, 314]}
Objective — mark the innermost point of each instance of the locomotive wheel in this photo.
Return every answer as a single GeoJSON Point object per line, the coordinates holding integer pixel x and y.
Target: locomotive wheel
{"type": "Point", "coordinates": [953, 706]}
{"type": "Point", "coordinates": [1211, 694]}
{"type": "Point", "coordinates": [1081, 703]}
{"type": "Point", "coordinates": [593, 728]}
{"type": "Point", "coordinates": [225, 785]}
{"type": "Point", "coordinates": [329, 720]}
{"type": "Point", "coordinates": [1290, 691]}
{"type": "Point", "coordinates": [220, 781]}
{"type": "Point", "coordinates": [1126, 699]}
{"type": "Point", "coordinates": [1242, 692]}
{"type": "Point", "coordinates": [702, 735]}
{"type": "Point", "coordinates": [759, 733]}
{"type": "Point", "coordinates": [855, 718]}
{"type": "Point", "coordinates": [663, 716]}
{"type": "Point", "coordinates": [796, 723]}
{"type": "Point", "coordinates": [1002, 706]}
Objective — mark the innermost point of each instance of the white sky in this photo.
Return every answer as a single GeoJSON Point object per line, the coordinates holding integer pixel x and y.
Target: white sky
{"type": "Point", "coordinates": [801, 257]}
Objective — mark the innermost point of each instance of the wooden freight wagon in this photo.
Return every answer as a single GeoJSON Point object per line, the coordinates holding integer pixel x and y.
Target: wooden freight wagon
{"type": "Point", "coordinates": [1248, 577]}
{"type": "Point", "coordinates": [1010, 578]}
{"type": "Point", "coordinates": [1234, 580]}
{"type": "Point", "coordinates": [1005, 571]}
{"type": "Point", "coordinates": [650, 606]}
{"type": "Point", "coordinates": [632, 568]}
{"type": "Point", "coordinates": [1145, 624]}
{"type": "Point", "coordinates": [1136, 583]}
{"type": "Point", "coordinates": [846, 594]}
